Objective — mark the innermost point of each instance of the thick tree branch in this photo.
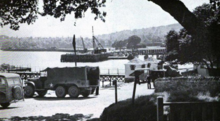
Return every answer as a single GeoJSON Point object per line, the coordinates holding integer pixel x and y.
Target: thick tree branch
{"type": "Point", "coordinates": [181, 13]}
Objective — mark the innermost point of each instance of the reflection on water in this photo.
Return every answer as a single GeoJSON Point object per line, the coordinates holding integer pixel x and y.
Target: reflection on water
{"type": "Point", "coordinates": [41, 60]}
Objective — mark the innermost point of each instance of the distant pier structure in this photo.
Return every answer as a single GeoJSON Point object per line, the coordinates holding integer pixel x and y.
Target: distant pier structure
{"type": "Point", "coordinates": [152, 50]}
{"type": "Point", "coordinates": [149, 50]}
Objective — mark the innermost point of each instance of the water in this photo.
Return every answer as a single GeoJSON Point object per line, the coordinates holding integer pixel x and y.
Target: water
{"type": "Point", "coordinates": [41, 60]}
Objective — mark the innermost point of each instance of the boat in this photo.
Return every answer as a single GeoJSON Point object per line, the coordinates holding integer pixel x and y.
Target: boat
{"type": "Point", "coordinates": [98, 54]}
{"type": "Point", "coordinates": [84, 57]}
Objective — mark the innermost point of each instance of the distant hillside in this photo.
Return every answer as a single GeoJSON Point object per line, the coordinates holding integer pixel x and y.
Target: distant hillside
{"type": "Point", "coordinates": [145, 33]}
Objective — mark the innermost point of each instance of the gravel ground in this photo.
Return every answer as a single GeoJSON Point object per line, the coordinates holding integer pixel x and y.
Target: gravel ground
{"type": "Point", "coordinates": [91, 106]}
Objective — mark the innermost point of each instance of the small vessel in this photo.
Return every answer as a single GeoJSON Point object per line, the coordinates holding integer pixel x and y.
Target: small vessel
{"type": "Point", "coordinates": [98, 54]}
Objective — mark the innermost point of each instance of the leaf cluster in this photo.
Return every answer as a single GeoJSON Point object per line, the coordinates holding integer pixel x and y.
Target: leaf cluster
{"type": "Point", "coordinates": [16, 12]}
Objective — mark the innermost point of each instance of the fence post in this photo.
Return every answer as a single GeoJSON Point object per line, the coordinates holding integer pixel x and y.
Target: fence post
{"type": "Point", "coordinates": [116, 92]}
{"type": "Point", "coordinates": [110, 80]}
{"type": "Point", "coordinates": [159, 109]}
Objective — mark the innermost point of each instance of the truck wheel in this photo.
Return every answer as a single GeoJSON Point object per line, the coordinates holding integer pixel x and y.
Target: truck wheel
{"type": "Point", "coordinates": [42, 93]}
{"type": "Point", "coordinates": [73, 91]}
{"type": "Point", "coordinates": [85, 94]}
{"type": "Point", "coordinates": [29, 91]}
{"type": "Point", "coordinates": [5, 105]}
{"type": "Point", "coordinates": [60, 92]}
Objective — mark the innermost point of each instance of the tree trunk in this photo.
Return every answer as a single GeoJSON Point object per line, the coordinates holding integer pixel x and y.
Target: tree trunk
{"type": "Point", "coordinates": [180, 12]}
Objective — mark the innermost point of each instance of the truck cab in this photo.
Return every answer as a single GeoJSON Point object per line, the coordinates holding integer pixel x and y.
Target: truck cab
{"type": "Point", "coordinates": [11, 89]}
{"type": "Point", "coordinates": [74, 81]}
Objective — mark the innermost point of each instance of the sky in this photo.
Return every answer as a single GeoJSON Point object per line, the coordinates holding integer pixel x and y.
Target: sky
{"type": "Point", "coordinates": [121, 15]}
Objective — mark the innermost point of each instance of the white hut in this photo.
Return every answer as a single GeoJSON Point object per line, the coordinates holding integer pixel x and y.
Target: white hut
{"type": "Point", "coordinates": [131, 66]}
{"type": "Point", "coordinates": [137, 64]}
{"type": "Point", "coordinates": [152, 63]}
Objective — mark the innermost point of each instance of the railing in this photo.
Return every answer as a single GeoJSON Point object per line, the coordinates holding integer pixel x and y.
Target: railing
{"type": "Point", "coordinates": [115, 71]}
{"type": "Point", "coordinates": [188, 111]}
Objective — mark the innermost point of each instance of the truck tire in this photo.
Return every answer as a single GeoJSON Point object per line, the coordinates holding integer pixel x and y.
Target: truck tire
{"type": "Point", "coordinates": [73, 91]}
{"type": "Point", "coordinates": [42, 93]}
{"type": "Point", "coordinates": [29, 91]}
{"type": "Point", "coordinates": [5, 105]}
{"type": "Point", "coordinates": [60, 92]}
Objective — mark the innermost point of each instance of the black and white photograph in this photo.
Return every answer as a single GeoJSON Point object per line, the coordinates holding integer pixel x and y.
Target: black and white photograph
{"type": "Point", "coordinates": [109, 60]}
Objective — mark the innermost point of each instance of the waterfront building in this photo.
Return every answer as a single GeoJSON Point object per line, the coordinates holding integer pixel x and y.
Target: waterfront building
{"type": "Point", "coordinates": [136, 64]}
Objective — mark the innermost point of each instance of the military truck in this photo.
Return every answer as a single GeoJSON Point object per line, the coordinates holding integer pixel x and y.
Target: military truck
{"type": "Point", "coordinates": [68, 80]}
{"type": "Point", "coordinates": [11, 89]}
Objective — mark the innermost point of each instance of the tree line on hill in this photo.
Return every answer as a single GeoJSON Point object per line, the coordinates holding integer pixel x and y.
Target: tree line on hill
{"type": "Point", "coordinates": [135, 42]}
{"type": "Point", "coordinates": [44, 42]}
{"type": "Point", "coordinates": [8, 43]}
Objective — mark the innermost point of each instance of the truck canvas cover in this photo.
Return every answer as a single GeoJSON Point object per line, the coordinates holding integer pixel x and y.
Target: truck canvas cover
{"type": "Point", "coordinates": [75, 73]}
{"type": "Point", "coordinates": [68, 75]}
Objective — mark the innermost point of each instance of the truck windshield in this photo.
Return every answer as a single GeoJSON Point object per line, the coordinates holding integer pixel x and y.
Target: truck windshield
{"type": "Point", "coordinates": [10, 81]}
{"type": "Point", "coordinates": [17, 80]}
{"type": "Point", "coordinates": [2, 81]}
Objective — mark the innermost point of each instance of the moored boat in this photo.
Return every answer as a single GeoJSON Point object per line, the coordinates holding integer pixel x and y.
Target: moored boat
{"type": "Point", "coordinates": [98, 54]}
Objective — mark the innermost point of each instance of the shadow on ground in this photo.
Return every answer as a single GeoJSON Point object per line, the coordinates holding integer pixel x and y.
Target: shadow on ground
{"type": "Point", "coordinates": [57, 99]}
{"type": "Point", "coordinates": [8, 108]}
{"type": "Point", "coordinates": [56, 117]}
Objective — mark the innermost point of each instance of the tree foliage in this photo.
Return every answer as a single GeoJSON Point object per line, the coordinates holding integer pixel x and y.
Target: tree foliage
{"type": "Point", "coordinates": [119, 44]}
{"type": "Point", "coordinates": [172, 45]}
{"type": "Point", "coordinates": [206, 50]}
{"type": "Point", "coordinates": [133, 41]}
{"type": "Point", "coordinates": [172, 41]}
{"type": "Point", "coordinates": [16, 12]}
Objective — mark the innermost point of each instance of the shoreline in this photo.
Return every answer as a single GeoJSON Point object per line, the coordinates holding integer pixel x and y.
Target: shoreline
{"type": "Point", "coordinates": [39, 50]}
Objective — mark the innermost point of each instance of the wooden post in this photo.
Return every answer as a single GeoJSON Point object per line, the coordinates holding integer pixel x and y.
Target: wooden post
{"type": "Point", "coordinates": [116, 92]}
{"type": "Point", "coordinates": [159, 109]}
{"type": "Point", "coordinates": [102, 83]}
{"type": "Point", "coordinates": [135, 83]}
{"type": "Point", "coordinates": [134, 90]}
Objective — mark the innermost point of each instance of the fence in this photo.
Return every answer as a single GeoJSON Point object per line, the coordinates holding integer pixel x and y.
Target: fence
{"type": "Point", "coordinates": [188, 111]}
{"type": "Point", "coordinates": [115, 71]}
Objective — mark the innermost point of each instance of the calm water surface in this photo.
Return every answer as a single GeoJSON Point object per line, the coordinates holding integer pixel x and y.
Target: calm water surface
{"type": "Point", "coordinates": [41, 60]}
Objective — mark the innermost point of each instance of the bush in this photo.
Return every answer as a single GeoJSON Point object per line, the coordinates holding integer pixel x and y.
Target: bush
{"type": "Point", "coordinates": [182, 96]}
{"type": "Point", "coordinates": [144, 109]}
{"type": "Point", "coordinates": [191, 86]}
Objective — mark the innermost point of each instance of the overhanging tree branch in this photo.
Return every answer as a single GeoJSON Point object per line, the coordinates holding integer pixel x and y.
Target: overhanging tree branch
{"type": "Point", "coordinates": [180, 12]}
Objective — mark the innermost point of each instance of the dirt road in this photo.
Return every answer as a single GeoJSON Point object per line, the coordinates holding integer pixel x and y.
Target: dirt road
{"type": "Point", "coordinates": [50, 105]}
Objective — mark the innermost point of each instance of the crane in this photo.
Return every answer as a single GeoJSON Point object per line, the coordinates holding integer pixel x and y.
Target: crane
{"type": "Point", "coordinates": [97, 48]}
